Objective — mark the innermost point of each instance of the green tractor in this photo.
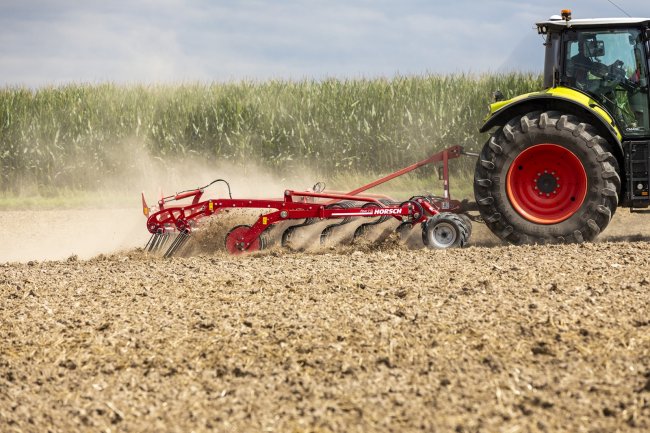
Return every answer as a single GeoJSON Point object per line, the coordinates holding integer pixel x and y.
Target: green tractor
{"type": "Point", "coordinates": [561, 160]}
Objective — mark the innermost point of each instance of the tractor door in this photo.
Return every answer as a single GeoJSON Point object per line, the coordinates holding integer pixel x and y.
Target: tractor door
{"type": "Point", "coordinates": [611, 66]}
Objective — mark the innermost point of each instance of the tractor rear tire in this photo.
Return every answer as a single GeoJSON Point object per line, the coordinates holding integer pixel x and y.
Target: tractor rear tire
{"type": "Point", "coordinates": [546, 177]}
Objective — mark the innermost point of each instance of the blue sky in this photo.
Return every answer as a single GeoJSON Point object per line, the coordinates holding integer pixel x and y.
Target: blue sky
{"type": "Point", "coordinates": [149, 41]}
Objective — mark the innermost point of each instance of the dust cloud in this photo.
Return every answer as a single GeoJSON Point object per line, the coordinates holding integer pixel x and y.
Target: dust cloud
{"type": "Point", "coordinates": [55, 234]}
{"type": "Point", "coordinates": [59, 234]}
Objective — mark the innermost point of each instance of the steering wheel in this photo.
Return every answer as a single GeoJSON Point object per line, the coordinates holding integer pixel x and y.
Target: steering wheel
{"type": "Point", "coordinates": [618, 76]}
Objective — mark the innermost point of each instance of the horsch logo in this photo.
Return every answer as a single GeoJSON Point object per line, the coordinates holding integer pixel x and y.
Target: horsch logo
{"type": "Point", "coordinates": [397, 211]}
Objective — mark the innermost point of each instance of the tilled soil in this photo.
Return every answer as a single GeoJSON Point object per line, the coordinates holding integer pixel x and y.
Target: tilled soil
{"type": "Point", "coordinates": [502, 338]}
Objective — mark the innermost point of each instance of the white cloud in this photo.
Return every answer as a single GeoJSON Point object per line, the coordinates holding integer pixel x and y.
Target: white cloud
{"type": "Point", "coordinates": [170, 40]}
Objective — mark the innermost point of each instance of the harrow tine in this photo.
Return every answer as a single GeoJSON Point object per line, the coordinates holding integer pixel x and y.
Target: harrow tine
{"type": "Point", "coordinates": [163, 241]}
{"type": "Point", "coordinates": [177, 244]}
{"type": "Point", "coordinates": [159, 241]}
{"type": "Point", "coordinates": [154, 241]}
{"type": "Point", "coordinates": [173, 246]}
{"type": "Point", "coordinates": [150, 241]}
{"type": "Point", "coordinates": [181, 247]}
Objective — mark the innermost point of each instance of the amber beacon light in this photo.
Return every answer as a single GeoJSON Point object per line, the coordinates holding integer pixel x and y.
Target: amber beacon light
{"type": "Point", "coordinates": [566, 14]}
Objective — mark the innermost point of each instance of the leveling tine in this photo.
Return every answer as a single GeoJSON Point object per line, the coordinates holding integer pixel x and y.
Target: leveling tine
{"type": "Point", "coordinates": [181, 245]}
{"type": "Point", "coordinates": [159, 241]}
{"type": "Point", "coordinates": [164, 240]}
{"type": "Point", "coordinates": [154, 241]}
{"type": "Point", "coordinates": [150, 241]}
{"type": "Point", "coordinates": [177, 244]}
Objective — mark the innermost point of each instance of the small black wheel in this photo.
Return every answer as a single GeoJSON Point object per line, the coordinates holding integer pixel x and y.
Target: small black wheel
{"type": "Point", "coordinates": [445, 230]}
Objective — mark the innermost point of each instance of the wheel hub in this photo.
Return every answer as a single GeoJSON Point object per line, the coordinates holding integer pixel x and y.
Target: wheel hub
{"type": "Point", "coordinates": [443, 235]}
{"type": "Point", "coordinates": [546, 183]}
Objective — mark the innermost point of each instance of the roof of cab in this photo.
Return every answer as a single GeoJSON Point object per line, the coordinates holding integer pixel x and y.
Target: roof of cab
{"type": "Point", "coordinates": [559, 24]}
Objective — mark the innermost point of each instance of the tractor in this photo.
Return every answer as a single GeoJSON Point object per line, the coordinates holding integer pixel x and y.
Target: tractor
{"type": "Point", "coordinates": [559, 161]}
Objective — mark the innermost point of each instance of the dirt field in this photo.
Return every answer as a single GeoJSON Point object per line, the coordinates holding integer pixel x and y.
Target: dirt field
{"type": "Point", "coordinates": [487, 338]}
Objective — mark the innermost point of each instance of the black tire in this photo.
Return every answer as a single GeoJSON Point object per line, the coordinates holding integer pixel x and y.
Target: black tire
{"type": "Point", "coordinates": [566, 131]}
{"type": "Point", "coordinates": [445, 230]}
{"type": "Point", "coordinates": [468, 223]}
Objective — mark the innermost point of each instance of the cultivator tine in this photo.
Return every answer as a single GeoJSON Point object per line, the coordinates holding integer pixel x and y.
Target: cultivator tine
{"type": "Point", "coordinates": [365, 228]}
{"type": "Point", "coordinates": [327, 231]}
{"type": "Point", "coordinates": [288, 233]}
{"type": "Point", "coordinates": [404, 230]}
{"type": "Point", "coordinates": [177, 244]}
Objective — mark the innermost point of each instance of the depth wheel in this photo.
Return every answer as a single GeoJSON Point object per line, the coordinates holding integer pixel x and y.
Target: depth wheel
{"type": "Point", "coordinates": [468, 223]}
{"type": "Point", "coordinates": [235, 241]}
{"type": "Point", "coordinates": [546, 177]}
{"type": "Point", "coordinates": [445, 230]}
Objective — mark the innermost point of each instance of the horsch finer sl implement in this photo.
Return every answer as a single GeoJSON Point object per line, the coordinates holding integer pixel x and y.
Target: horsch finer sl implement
{"type": "Point", "coordinates": [557, 163]}
{"type": "Point", "coordinates": [443, 222]}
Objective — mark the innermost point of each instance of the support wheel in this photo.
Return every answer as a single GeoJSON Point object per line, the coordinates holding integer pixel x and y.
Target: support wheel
{"type": "Point", "coordinates": [445, 230]}
{"type": "Point", "coordinates": [468, 223]}
{"type": "Point", "coordinates": [235, 241]}
{"type": "Point", "coordinates": [546, 177]}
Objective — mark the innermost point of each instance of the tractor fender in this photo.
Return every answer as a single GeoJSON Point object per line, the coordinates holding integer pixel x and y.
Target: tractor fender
{"type": "Point", "coordinates": [564, 100]}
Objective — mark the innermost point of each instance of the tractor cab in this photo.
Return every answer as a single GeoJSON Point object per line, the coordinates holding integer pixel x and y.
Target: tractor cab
{"type": "Point", "coordinates": [606, 59]}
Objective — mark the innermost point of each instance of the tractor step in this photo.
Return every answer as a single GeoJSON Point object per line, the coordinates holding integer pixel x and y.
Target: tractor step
{"type": "Point", "coordinates": [637, 161]}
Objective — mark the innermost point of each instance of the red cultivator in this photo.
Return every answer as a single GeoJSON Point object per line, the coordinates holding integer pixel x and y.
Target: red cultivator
{"type": "Point", "coordinates": [444, 222]}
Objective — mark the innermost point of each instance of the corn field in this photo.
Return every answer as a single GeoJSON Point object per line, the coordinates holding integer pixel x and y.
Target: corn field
{"type": "Point", "coordinates": [69, 137]}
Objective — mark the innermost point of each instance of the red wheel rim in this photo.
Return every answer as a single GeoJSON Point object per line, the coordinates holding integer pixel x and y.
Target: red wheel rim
{"type": "Point", "coordinates": [235, 241]}
{"type": "Point", "coordinates": [546, 183]}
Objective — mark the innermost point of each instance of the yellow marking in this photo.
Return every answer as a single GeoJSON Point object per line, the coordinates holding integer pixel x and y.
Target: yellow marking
{"type": "Point", "coordinates": [211, 206]}
{"type": "Point", "coordinates": [145, 210]}
{"type": "Point", "coordinates": [265, 220]}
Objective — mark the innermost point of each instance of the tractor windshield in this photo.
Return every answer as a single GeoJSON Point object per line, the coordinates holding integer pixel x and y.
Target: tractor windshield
{"type": "Point", "coordinates": [612, 67]}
